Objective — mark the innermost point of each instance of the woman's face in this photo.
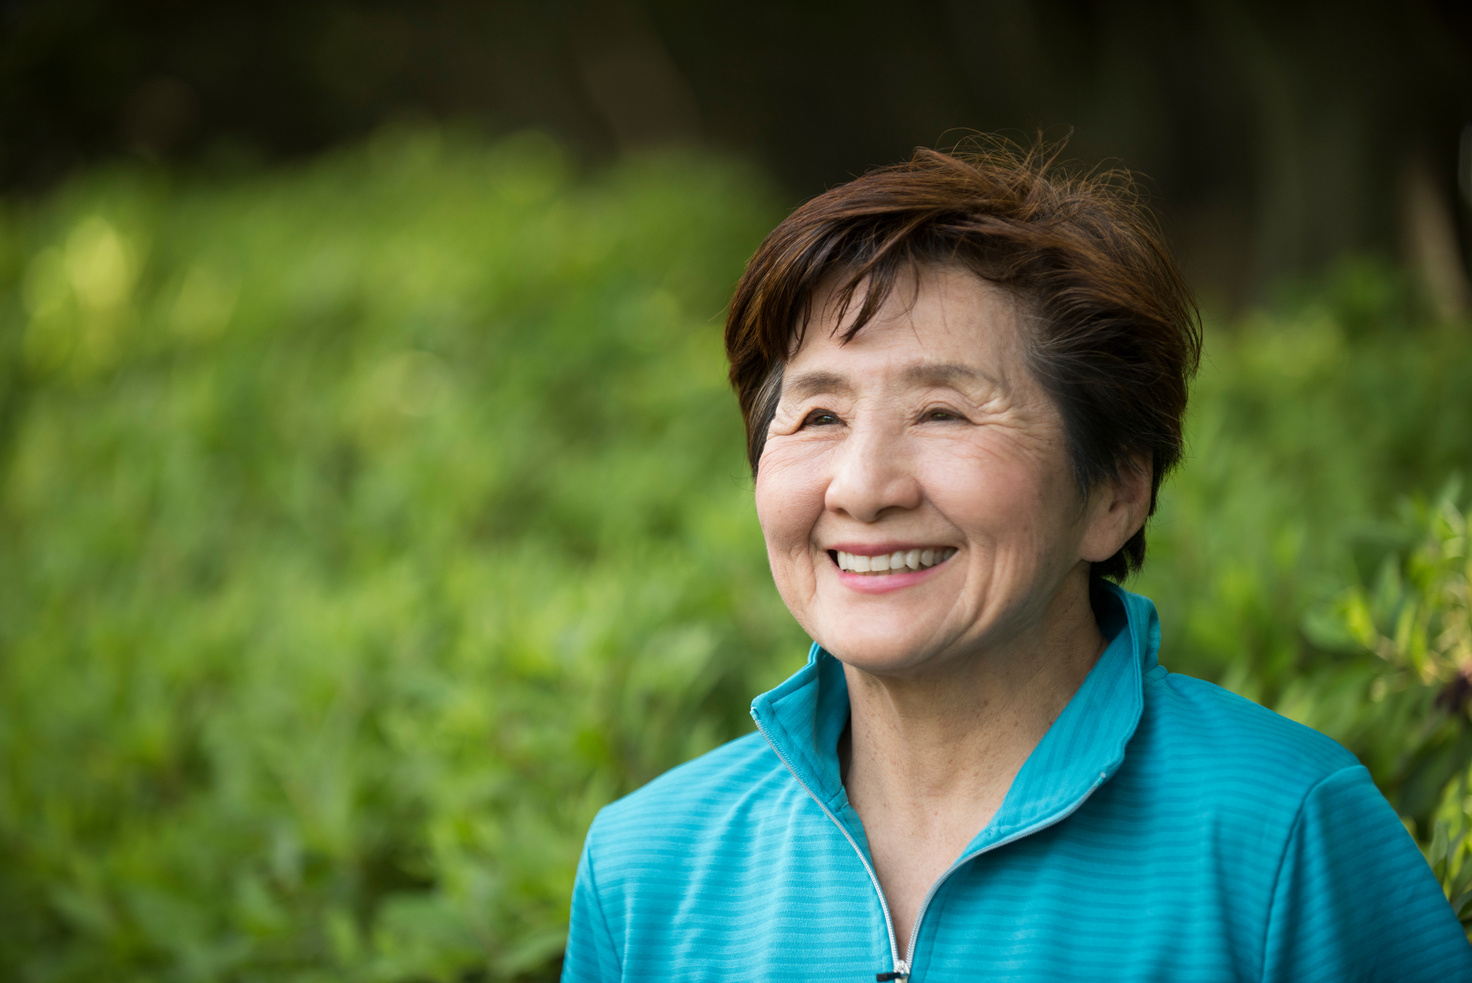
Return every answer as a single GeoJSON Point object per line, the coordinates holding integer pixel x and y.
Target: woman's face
{"type": "Point", "coordinates": [915, 490]}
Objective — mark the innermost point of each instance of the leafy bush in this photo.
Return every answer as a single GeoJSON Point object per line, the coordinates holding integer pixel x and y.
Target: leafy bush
{"type": "Point", "coordinates": [365, 527]}
{"type": "Point", "coordinates": [1416, 615]}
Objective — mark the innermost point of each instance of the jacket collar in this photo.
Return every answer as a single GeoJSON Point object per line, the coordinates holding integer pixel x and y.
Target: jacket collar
{"type": "Point", "coordinates": [804, 717]}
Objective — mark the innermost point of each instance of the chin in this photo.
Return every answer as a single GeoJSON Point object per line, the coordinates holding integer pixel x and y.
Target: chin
{"type": "Point", "coordinates": [880, 655]}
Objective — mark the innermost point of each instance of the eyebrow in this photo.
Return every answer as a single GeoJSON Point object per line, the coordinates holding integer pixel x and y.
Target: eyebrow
{"type": "Point", "coordinates": [812, 383]}
{"type": "Point", "coordinates": [944, 373]}
{"type": "Point", "coordinates": [807, 384]}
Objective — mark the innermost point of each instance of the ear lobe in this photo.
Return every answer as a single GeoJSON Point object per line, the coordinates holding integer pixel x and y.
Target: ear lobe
{"type": "Point", "coordinates": [1117, 510]}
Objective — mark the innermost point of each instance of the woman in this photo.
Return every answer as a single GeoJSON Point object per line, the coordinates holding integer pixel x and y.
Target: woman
{"type": "Point", "coordinates": [963, 380]}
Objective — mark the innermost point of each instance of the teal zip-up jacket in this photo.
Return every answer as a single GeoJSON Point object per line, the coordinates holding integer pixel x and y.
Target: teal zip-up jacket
{"type": "Point", "coordinates": [1163, 829]}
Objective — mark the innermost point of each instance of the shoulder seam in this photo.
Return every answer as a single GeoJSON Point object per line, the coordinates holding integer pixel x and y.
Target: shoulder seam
{"type": "Point", "coordinates": [1283, 857]}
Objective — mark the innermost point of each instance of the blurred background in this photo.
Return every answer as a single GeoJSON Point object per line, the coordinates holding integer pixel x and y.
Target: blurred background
{"type": "Point", "coordinates": [372, 507]}
{"type": "Point", "coordinates": [1277, 136]}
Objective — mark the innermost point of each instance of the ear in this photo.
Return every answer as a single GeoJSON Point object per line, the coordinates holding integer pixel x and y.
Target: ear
{"type": "Point", "coordinates": [1116, 510]}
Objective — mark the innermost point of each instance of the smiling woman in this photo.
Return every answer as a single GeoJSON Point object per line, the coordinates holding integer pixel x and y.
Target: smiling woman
{"type": "Point", "coordinates": [927, 433]}
{"type": "Point", "coordinates": [963, 380]}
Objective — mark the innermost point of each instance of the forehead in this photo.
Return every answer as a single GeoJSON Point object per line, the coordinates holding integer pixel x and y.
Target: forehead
{"type": "Point", "coordinates": [936, 322]}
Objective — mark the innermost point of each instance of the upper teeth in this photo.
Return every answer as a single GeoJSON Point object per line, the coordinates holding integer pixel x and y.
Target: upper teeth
{"type": "Point", "coordinates": [898, 560]}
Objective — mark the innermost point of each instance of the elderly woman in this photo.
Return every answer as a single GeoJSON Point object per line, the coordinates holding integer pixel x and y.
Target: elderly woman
{"type": "Point", "coordinates": [963, 380]}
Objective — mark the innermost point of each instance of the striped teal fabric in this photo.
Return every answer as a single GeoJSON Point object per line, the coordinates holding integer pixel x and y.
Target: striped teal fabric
{"type": "Point", "coordinates": [1164, 829]}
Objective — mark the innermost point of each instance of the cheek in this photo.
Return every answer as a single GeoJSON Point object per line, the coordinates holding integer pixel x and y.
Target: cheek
{"type": "Point", "coordinates": [789, 499]}
{"type": "Point", "coordinates": [1001, 490]}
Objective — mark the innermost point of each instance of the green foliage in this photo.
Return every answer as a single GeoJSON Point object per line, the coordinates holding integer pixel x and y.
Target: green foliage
{"type": "Point", "coordinates": [1305, 426]}
{"type": "Point", "coordinates": [365, 527]}
{"type": "Point", "coordinates": [1416, 615]}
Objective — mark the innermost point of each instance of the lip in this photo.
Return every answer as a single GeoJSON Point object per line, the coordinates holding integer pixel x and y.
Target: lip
{"type": "Point", "coordinates": [862, 583]}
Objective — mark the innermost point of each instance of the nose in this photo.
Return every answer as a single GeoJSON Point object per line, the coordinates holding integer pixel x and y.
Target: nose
{"type": "Point", "coordinates": [873, 474]}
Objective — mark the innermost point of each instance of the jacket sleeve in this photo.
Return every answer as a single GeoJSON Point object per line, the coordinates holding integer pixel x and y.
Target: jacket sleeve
{"type": "Point", "coordinates": [1355, 900]}
{"type": "Point", "coordinates": [590, 957]}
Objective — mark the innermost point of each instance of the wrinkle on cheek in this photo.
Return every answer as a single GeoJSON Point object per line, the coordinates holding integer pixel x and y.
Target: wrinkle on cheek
{"type": "Point", "coordinates": [789, 501]}
{"type": "Point", "coordinates": [785, 489]}
{"type": "Point", "coordinates": [791, 462]}
{"type": "Point", "coordinates": [1027, 422]}
{"type": "Point", "coordinates": [988, 455]}
{"type": "Point", "coordinates": [1007, 569]}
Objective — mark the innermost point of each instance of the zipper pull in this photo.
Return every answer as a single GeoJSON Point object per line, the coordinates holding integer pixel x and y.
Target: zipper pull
{"type": "Point", "coordinates": [901, 972]}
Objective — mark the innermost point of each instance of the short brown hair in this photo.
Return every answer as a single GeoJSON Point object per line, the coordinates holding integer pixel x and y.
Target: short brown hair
{"type": "Point", "coordinates": [1117, 335]}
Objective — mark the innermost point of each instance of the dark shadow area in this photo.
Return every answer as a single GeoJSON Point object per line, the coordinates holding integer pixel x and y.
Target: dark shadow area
{"type": "Point", "coordinates": [1276, 136]}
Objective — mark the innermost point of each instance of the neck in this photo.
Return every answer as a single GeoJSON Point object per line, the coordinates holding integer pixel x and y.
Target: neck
{"type": "Point", "coordinates": [945, 744]}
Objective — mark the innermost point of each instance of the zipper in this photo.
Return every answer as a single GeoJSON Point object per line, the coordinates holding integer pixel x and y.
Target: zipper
{"type": "Point", "coordinates": [901, 966]}
{"type": "Point", "coordinates": [1037, 827]}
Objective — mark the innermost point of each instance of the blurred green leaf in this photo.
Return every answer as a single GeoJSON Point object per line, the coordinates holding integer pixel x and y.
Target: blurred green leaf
{"type": "Point", "coordinates": [365, 528]}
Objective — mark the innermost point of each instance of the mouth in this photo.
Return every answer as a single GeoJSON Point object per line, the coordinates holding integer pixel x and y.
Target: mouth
{"type": "Point", "coordinates": [899, 561]}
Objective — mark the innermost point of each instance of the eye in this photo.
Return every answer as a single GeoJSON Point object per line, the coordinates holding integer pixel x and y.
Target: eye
{"type": "Point", "coordinates": [939, 415]}
{"type": "Point", "coordinates": [820, 418]}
